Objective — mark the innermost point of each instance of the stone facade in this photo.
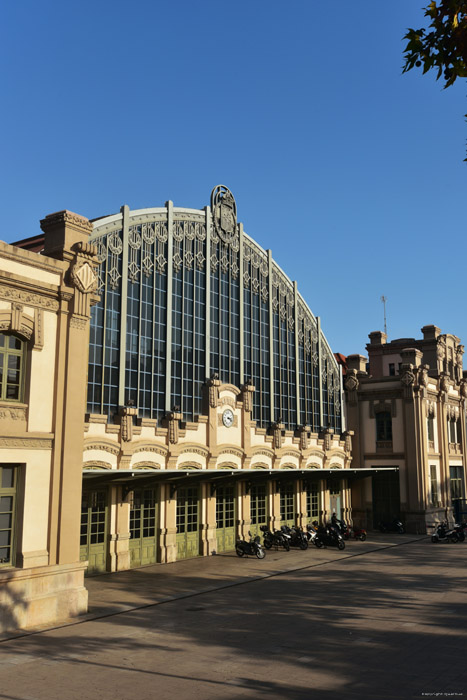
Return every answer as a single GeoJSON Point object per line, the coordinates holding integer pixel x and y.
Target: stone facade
{"type": "Point", "coordinates": [407, 408]}
{"type": "Point", "coordinates": [44, 316]}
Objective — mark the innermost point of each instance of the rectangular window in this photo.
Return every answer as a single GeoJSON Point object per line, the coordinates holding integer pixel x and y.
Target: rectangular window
{"type": "Point", "coordinates": [431, 429]}
{"type": "Point", "coordinates": [433, 485]}
{"type": "Point", "coordinates": [8, 478]}
{"type": "Point", "coordinates": [392, 369]}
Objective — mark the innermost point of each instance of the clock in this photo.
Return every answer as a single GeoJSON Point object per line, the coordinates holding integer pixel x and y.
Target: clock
{"type": "Point", "coordinates": [228, 418]}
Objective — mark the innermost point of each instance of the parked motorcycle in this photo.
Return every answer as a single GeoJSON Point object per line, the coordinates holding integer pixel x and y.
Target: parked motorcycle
{"type": "Point", "coordinates": [312, 535]}
{"type": "Point", "coordinates": [358, 533]}
{"type": "Point", "coordinates": [442, 533]}
{"type": "Point", "coordinates": [328, 536]}
{"type": "Point", "coordinates": [276, 538]}
{"type": "Point", "coordinates": [393, 526]}
{"type": "Point", "coordinates": [297, 536]}
{"type": "Point", "coordinates": [252, 547]}
{"type": "Point", "coordinates": [460, 528]}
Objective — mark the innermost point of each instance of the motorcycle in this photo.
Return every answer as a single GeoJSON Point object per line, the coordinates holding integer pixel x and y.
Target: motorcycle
{"type": "Point", "coordinates": [297, 536]}
{"type": "Point", "coordinates": [357, 534]}
{"type": "Point", "coordinates": [276, 538]}
{"type": "Point", "coordinates": [460, 529]}
{"type": "Point", "coordinates": [312, 534]}
{"type": "Point", "coordinates": [347, 531]}
{"type": "Point", "coordinates": [394, 526]}
{"type": "Point", "coordinates": [328, 536]}
{"type": "Point", "coordinates": [443, 534]}
{"type": "Point", "coordinates": [243, 547]}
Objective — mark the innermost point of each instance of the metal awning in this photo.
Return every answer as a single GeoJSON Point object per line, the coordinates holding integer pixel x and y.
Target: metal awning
{"type": "Point", "coordinates": [127, 477]}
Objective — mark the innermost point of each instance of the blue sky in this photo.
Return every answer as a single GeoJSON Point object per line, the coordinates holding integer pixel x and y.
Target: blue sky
{"type": "Point", "coordinates": [350, 172]}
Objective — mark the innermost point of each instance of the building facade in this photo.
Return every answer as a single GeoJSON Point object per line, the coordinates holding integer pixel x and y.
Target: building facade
{"type": "Point", "coordinates": [45, 305]}
{"type": "Point", "coordinates": [166, 389]}
{"type": "Point", "coordinates": [214, 400]}
{"type": "Point", "coordinates": [406, 405]}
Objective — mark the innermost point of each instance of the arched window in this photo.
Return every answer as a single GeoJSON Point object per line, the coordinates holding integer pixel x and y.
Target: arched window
{"type": "Point", "coordinates": [11, 367]}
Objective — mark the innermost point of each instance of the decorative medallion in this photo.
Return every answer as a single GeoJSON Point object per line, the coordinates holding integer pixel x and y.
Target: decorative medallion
{"type": "Point", "coordinates": [224, 213]}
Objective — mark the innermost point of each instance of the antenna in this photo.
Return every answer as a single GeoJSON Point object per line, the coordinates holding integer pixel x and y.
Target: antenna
{"type": "Point", "coordinates": [384, 300]}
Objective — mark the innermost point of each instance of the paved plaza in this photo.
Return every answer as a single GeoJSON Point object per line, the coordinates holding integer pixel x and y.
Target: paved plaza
{"type": "Point", "coordinates": [382, 619]}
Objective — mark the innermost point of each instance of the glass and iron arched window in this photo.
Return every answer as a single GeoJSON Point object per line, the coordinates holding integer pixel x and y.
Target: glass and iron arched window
{"type": "Point", "coordinates": [11, 367]}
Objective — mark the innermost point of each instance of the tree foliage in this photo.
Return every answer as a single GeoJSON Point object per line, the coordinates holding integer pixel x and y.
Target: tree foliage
{"type": "Point", "coordinates": [443, 46]}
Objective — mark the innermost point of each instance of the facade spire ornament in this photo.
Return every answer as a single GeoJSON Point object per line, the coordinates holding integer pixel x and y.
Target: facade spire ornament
{"type": "Point", "coordinates": [174, 417]}
{"type": "Point", "coordinates": [327, 435]}
{"type": "Point", "coordinates": [278, 428]}
{"type": "Point", "coordinates": [304, 436]}
{"type": "Point", "coordinates": [126, 422]}
{"type": "Point", "coordinates": [213, 384]}
{"type": "Point", "coordinates": [247, 395]}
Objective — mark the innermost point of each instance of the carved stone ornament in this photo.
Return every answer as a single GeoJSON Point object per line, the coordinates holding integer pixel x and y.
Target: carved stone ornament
{"type": "Point", "coordinates": [351, 382]}
{"type": "Point", "coordinates": [174, 425]}
{"type": "Point", "coordinates": [444, 383]}
{"type": "Point", "coordinates": [304, 436]}
{"type": "Point", "coordinates": [277, 433]}
{"type": "Point", "coordinates": [213, 384]}
{"type": "Point", "coordinates": [84, 277]}
{"type": "Point", "coordinates": [126, 422]}
{"type": "Point", "coordinates": [408, 378]}
{"type": "Point", "coordinates": [423, 375]}
{"type": "Point", "coordinates": [463, 389]}
{"type": "Point", "coordinates": [224, 213]}
{"type": "Point", "coordinates": [441, 351]}
{"type": "Point", "coordinates": [247, 396]}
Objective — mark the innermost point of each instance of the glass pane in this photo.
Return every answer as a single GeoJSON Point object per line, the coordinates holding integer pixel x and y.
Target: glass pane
{"type": "Point", "coordinates": [2, 340]}
{"type": "Point", "coordinates": [4, 555]}
{"type": "Point", "coordinates": [6, 504]}
{"type": "Point", "coordinates": [5, 521]}
{"type": "Point", "coordinates": [8, 477]}
{"type": "Point", "coordinates": [12, 391]}
{"type": "Point", "coordinates": [5, 537]}
{"type": "Point", "coordinates": [14, 343]}
{"type": "Point", "coordinates": [14, 362]}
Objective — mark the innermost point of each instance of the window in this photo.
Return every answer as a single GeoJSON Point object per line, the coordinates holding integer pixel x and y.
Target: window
{"type": "Point", "coordinates": [457, 485]}
{"type": "Point", "coordinates": [392, 369]}
{"type": "Point", "coordinates": [452, 430]}
{"type": "Point", "coordinates": [11, 367]}
{"type": "Point", "coordinates": [384, 427]}
{"type": "Point", "coordinates": [431, 429]}
{"type": "Point", "coordinates": [8, 479]}
{"type": "Point", "coordinates": [433, 485]}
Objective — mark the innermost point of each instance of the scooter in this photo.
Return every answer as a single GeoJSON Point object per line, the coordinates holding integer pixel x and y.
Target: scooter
{"type": "Point", "coordinates": [252, 547]}
{"type": "Point", "coordinates": [312, 534]}
{"type": "Point", "coordinates": [443, 534]}
{"type": "Point", "coordinates": [394, 526]}
{"type": "Point", "coordinates": [297, 536]}
{"type": "Point", "coordinates": [276, 538]}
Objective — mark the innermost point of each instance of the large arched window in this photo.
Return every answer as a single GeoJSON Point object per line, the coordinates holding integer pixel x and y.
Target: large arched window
{"type": "Point", "coordinates": [11, 367]}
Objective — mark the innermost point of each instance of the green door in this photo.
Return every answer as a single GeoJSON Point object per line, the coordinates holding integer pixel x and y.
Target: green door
{"type": "Point", "coordinates": [258, 507]}
{"type": "Point", "coordinates": [143, 527]}
{"type": "Point", "coordinates": [386, 497]}
{"type": "Point", "coordinates": [94, 530]}
{"type": "Point", "coordinates": [288, 504]}
{"type": "Point", "coordinates": [225, 518]}
{"type": "Point", "coordinates": [188, 522]}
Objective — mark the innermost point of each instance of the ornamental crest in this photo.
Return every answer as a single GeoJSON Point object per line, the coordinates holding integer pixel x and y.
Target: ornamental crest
{"type": "Point", "coordinates": [224, 213]}
{"type": "Point", "coordinates": [84, 277]}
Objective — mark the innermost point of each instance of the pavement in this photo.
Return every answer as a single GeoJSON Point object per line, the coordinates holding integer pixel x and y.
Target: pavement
{"type": "Point", "coordinates": [385, 618]}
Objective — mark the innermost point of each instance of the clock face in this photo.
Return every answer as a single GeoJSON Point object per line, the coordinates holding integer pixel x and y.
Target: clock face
{"type": "Point", "coordinates": [228, 418]}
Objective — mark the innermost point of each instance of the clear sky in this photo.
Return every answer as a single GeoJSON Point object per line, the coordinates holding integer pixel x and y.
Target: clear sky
{"type": "Point", "coordinates": [351, 172]}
